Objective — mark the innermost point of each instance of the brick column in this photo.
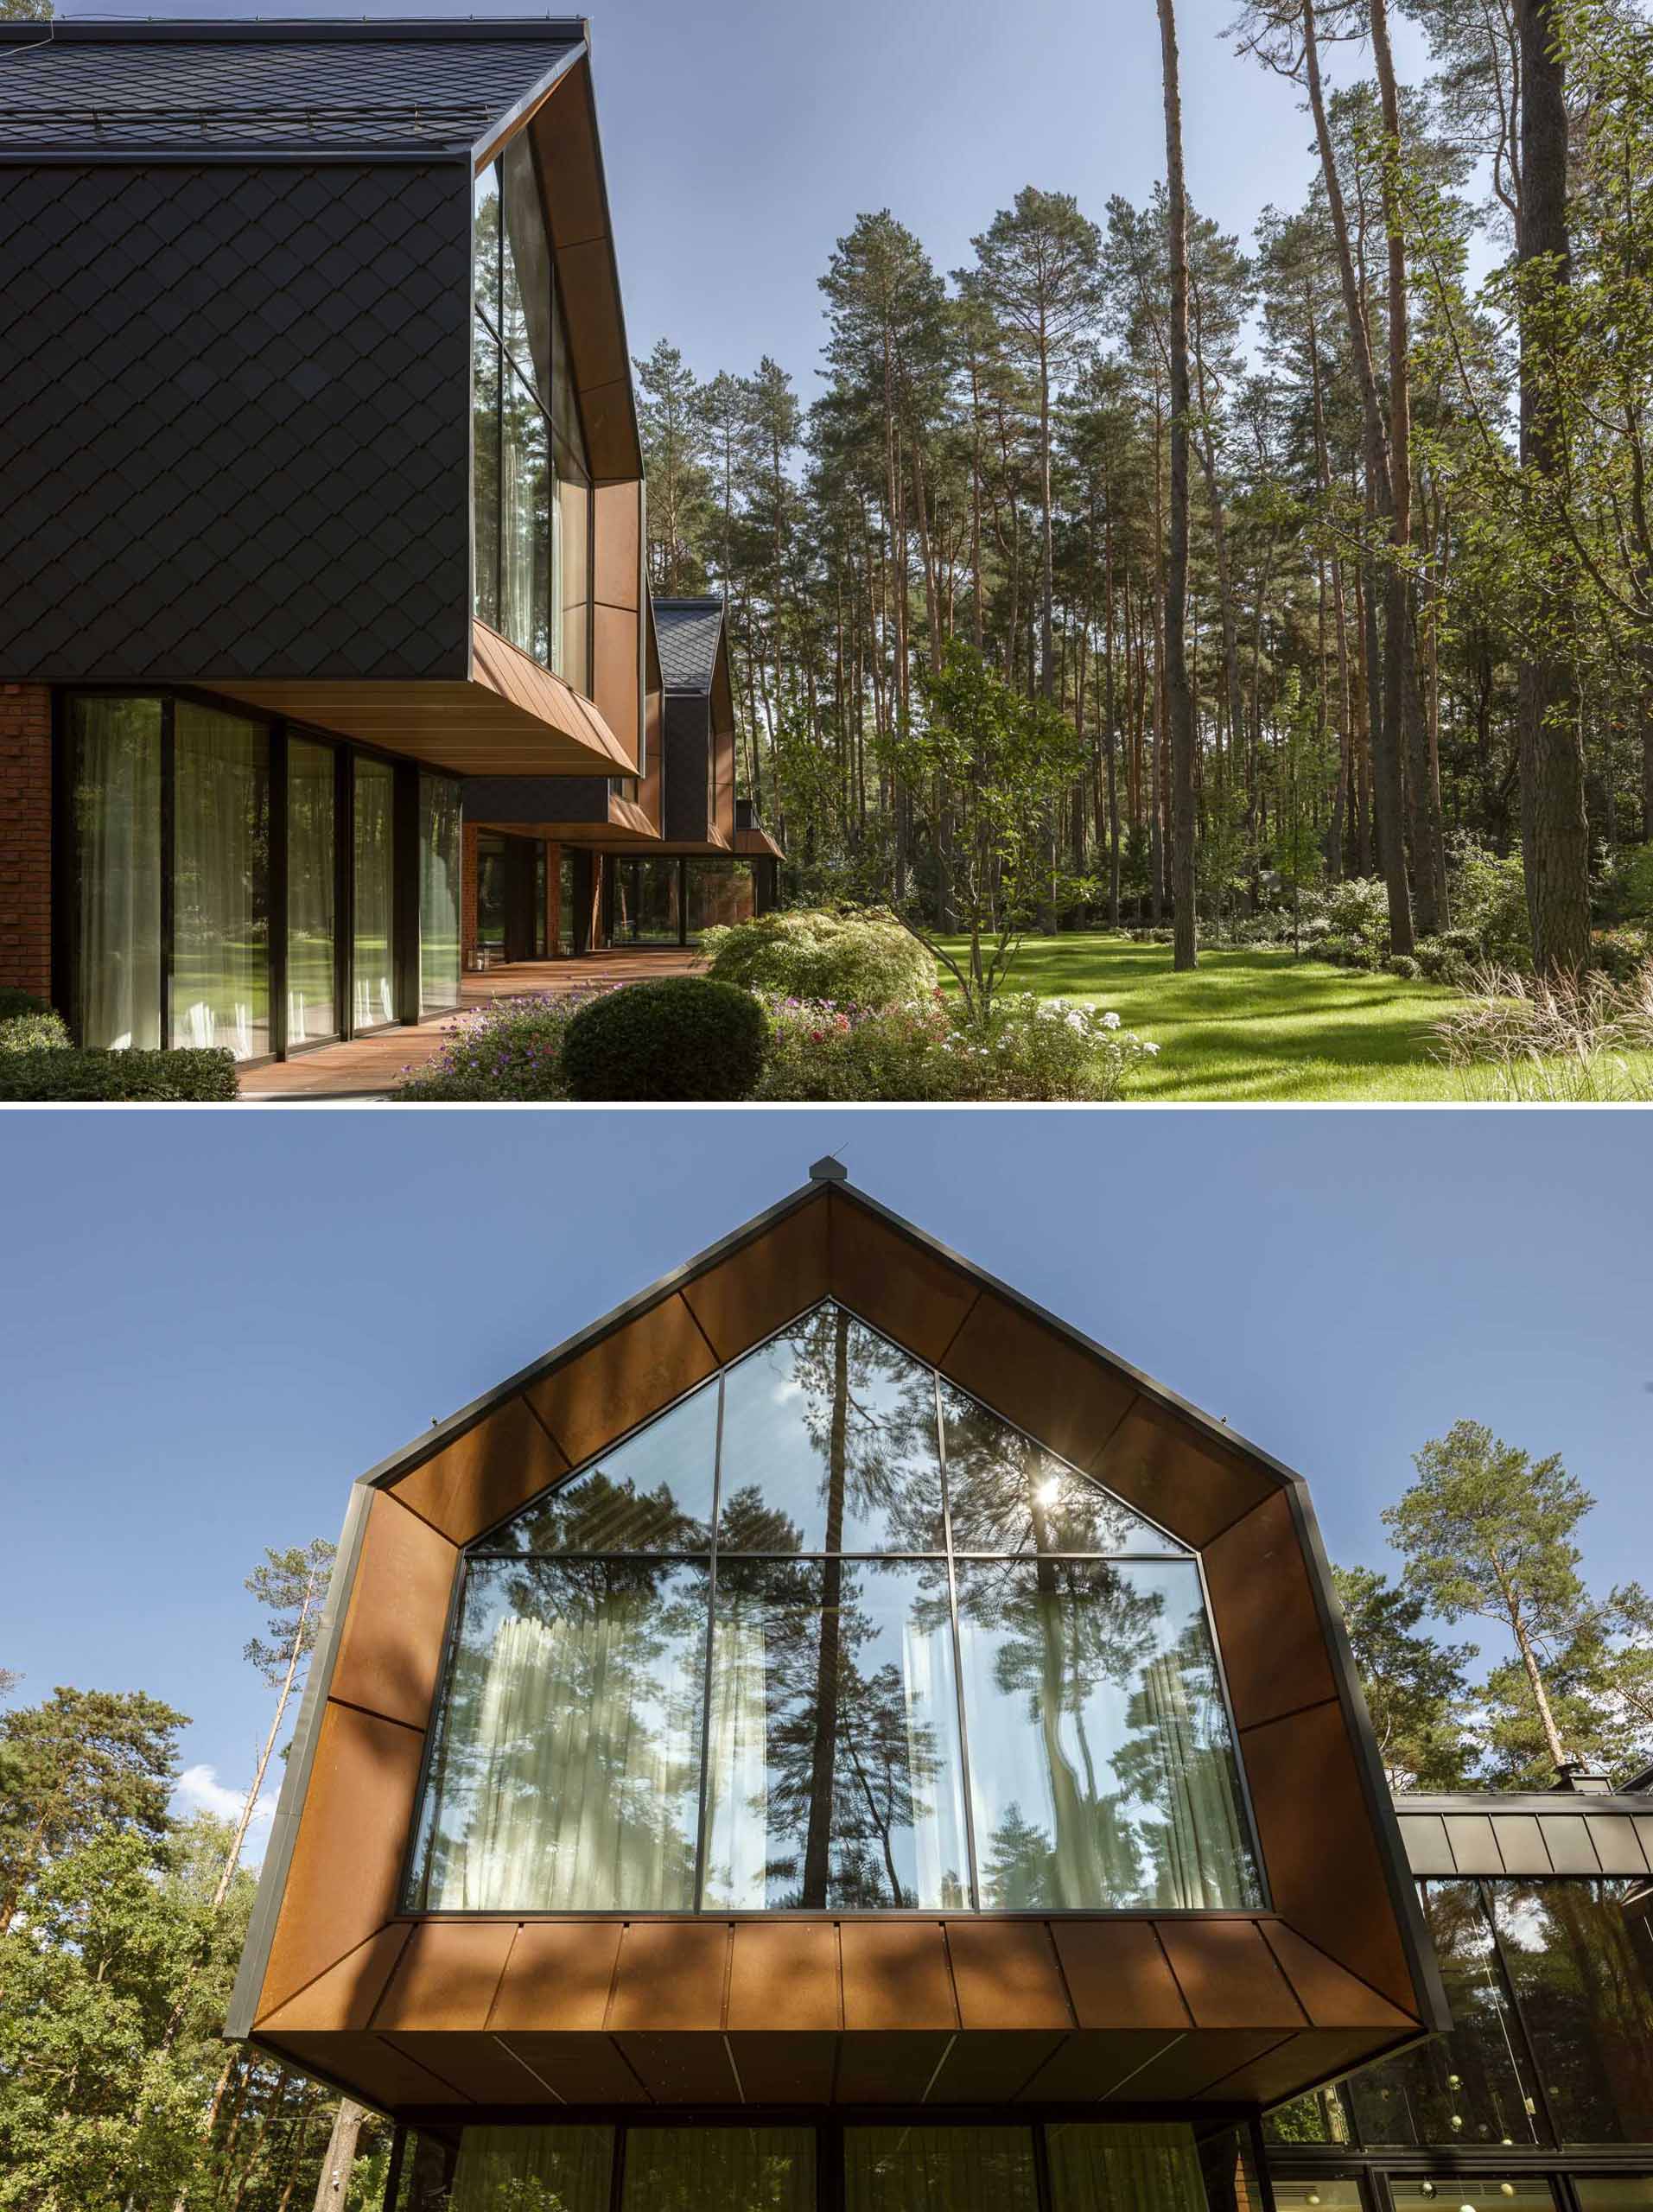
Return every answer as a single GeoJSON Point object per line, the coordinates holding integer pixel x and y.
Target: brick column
{"type": "Point", "coordinates": [26, 838]}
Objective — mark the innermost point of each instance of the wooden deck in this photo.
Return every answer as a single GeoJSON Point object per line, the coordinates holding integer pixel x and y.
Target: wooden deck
{"type": "Point", "coordinates": [370, 1068]}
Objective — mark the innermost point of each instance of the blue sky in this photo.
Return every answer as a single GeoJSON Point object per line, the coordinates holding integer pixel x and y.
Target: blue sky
{"type": "Point", "coordinates": [742, 137]}
{"type": "Point", "coordinates": [210, 1324]}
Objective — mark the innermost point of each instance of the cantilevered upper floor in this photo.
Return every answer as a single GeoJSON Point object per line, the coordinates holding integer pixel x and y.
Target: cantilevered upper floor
{"type": "Point", "coordinates": [318, 396]}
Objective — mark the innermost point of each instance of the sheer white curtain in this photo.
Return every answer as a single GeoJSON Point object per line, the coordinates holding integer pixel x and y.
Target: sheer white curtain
{"type": "Point", "coordinates": [575, 1771]}
{"type": "Point", "coordinates": [1203, 1839]}
{"type": "Point", "coordinates": [117, 802]}
{"type": "Point", "coordinates": [737, 1843]}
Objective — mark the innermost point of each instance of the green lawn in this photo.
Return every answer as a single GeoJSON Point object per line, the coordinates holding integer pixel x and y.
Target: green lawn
{"type": "Point", "coordinates": [1253, 1024]}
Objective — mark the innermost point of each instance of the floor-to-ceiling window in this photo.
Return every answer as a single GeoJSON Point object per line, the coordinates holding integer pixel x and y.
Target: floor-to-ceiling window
{"type": "Point", "coordinates": [312, 893]}
{"type": "Point", "coordinates": [220, 928]}
{"type": "Point", "coordinates": [648, 901]}
{"type": "Point", "coordinates": [440, 860]}
{"type": "Point", "coordinates": [113, 769]}
{"type": "Point", "coordinates": [946, 2164]}
{"type": "Point", "coordinates": [719, 1668]}
{"type": "Point", "coordinates": [374, 948]}
{"type": "Point", "coordinates": [716, 892]}
{"type": "Point", "coordinates": [532, 518]}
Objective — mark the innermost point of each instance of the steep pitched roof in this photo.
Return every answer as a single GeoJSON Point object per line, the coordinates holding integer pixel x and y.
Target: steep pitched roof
{"type": "Point", "coordinates": [175, 87]}
{"type": "Point", "coordinates": [1343, 1925]}
{"type": "Point", "coordinates": [688, 631]}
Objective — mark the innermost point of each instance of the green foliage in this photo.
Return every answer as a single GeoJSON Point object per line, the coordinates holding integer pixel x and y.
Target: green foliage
{"type": "Point", "coordinates": [1356, 911]}
{"type": "Point", "coordinates": [1620, 954]}
{"type": "Point", "coordinates": [45, 1031]}
{"type": "Point", "coordinates": [1625, 892]}
{"type": "Point", "coordinates": [685, 1037]}
{"type": "Point", "coordinates": [1403, 965]}
{"type": "Point", "coordinates": [1024, 1048]}
{"type": "Point", "coordinates": [80, 1761]}
{"type": "Point", "coordinates": [850, 959]}
{"type": "Point", "coordinates": [512, 1049]}
{"type": "Point", "coordinates": [1414, 1686]}
{"type": "Point", "coordinates": [1437, 962]}
{"type": "Point", "coordinates": [290, 1585]}
{"type": "Point", "coordinates": [14, 1002]}
{"type": "Point", "coordinates": [180, 1076]}
{"type": "Point", "coordinates": [1009, 760]}
{"type": "Point", "coordinates": [1487, 896]}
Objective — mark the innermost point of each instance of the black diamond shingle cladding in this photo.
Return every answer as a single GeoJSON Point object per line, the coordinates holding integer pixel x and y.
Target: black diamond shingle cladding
{"type": "Point", "coordinates": [103, 85]}
{"type": "Point", "coordinates": [234, 420]}
{"type": "Point", "coordinates": [687, 632]}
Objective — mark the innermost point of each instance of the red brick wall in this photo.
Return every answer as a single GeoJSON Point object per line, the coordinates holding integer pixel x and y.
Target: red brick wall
{"type": "Point", "coordinates": [26, 837]}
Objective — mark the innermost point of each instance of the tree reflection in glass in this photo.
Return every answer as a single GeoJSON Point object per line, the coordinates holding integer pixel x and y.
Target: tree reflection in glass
{"type": "Point", "coordinates": [567, 1774]}
{"type": "Point", "coordinates": [653, 1493]}
{"type": "Point", "coordinates": [1009, 1494]}
{"type": "Point", "coordinates": [829, 1443]}
{"type": "Point", "coordinates": [834, 1768]}
{"type": "Point", "coordinates": [1101, 1768]}
{"type": "Point", "coordinates": [1579, 1954]}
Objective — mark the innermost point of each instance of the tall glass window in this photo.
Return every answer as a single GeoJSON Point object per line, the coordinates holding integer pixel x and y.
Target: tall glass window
{"type": "Point", "coordinates": [1468, 2087]}
{"type": "Point", "coordinates": [715, 1668]}
{"type": "Point", "coordinates": [114, 772]}
{"type": "Point", "coordinates": [375, 886]}
{"type": "Point", "coordinates": [312, 853]}
{"type": "Point", "coordinates": [528, 2167]}
{"type": "Point", "coordinates": [439, 873]}
{"type": "Point", "coordinates": [220, 928]}
{"type": "Point", "coordinates": [939, 2170]}
{"type": "Point", "coordinates": [533, 480]}
{"type": "Point", "coordinates": [1150, 2166]}
{"type": "Point", "coordinates": [648, 907]}
{"type": "Point", "coordinates": [716, 892]}
{"type": "Point", "coordinates": [1579, 1954]}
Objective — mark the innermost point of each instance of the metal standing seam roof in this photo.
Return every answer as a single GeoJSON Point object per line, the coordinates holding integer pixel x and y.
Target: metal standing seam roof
{"type": "Point", "coordinates": [688, 631]}
{"type": "Point", "coordinates": [180, 87]}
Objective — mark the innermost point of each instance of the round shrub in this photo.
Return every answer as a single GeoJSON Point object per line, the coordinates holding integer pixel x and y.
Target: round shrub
{"type": "Point", "coordinates": [1403, 965]}
{"type": "Point", "coordinates": [858, 958]}
{"type": "Point", "coordinates": [37, 1031]}
{"type": "Point", "coordinates": [1439, 962]}
{"type": "Point", "coordinates": [14, 1002]}
{"type": "Point", "coordinates": [683, 1037]}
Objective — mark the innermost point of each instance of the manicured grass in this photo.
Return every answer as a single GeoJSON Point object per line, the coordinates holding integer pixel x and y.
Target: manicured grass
{"type": "Point", "coordinates": [1252, 1024]}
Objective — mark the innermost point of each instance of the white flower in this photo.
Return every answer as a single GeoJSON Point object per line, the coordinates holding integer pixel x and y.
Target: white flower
{"type": "Point", "coordinates": [1110, 1020]}
{"type": "Point", "coordinates": [1150, 1050]}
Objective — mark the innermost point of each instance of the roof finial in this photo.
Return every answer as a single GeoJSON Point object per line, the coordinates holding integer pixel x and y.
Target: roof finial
{"type": "Point", "coordinates": [828, 1171]}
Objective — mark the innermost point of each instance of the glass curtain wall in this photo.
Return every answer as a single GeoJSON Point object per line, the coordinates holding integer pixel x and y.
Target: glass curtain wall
{"type": "Point", "coordinates": [533, 501]}
{"type": "Point", "coordinates": [716, 892]}
{"type": "Point", "coordinates": [719, 1668]}
{"type": "Point", "coordinates": [220, 914]}
{"type": "Point", "coordinates": [374, 985]}
{"type": "Point", "coordinates": [440, 862]}
{"type": "Point", "coordinates": [312, 880]}
{"type": "Point", "coordinates": [1121, 2166]}
{"type": "Point", "coordinates": [648, 908]}
{"type": "Point", "coordinates": [114, 782]}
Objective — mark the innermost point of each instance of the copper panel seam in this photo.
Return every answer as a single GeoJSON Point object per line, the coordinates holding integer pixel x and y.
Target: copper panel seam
{"type": "Point", "coordinates": [372, 1712]}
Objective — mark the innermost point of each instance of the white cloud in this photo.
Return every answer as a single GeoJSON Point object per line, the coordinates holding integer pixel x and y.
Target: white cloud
{"type": "Point", "coordinates": [199, 1791]}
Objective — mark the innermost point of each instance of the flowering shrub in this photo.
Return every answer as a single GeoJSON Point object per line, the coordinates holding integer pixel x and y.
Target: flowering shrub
{"type": "Point", "coordinates": [512, 1049]}
{"type": "Point", "coordinates": [1028, 1048]}
{"type": "Point", "coordinates": [851, 958]}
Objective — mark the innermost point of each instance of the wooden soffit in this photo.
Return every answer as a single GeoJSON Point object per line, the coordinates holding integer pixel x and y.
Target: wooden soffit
{"type": "Point", "coordinates": [510, 717]}
{"type": "Point", "coordinates": [416, 2014]}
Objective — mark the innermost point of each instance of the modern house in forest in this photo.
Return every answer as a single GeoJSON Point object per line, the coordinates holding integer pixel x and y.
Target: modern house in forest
{"type": "Point", "coordinates": [323, 524]}
{"type": "Point", "coordinates": [830, 1736]}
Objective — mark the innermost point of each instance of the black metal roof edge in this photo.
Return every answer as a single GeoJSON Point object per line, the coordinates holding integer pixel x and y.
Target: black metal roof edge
{"type": "Point", "coordinates": [504, 126]}
{"type": "Point", "coordinates": [1538, 1804]}
{"type": "Point", "coordinates": [458, 1424]}
{"type": "Point", "coordinates": [290, 30]}
{"type": "Point", "coordinates": [109, 153]}
{"type": "Point", "coordinates": [296, 1778]}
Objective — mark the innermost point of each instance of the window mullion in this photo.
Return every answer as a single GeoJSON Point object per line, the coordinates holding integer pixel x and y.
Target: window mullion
{"type": "Point", "coordinates": [958, 1653]}
{"type": "Point", "coordinates": [704, 1811]}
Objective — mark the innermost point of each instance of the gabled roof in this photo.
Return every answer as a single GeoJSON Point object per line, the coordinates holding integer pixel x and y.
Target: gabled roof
{"type": "Point", "coordinates": [180, 86]}
{"type": "Point", "coordinates": [420, 2013]}
{"type": "Point", "coordinates": [688, 631]}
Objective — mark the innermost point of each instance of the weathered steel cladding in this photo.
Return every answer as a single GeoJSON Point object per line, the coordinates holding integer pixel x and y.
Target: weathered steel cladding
{"type": "Point", "coordinates": [234, 420]}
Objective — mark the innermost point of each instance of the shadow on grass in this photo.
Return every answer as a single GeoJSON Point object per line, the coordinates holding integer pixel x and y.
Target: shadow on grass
{"type": "Point", "coordinates": [1251, 1022]}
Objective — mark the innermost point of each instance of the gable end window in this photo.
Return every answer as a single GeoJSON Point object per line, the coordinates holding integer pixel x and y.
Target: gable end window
{"type": "Point", "coordinates": [830, 1636]}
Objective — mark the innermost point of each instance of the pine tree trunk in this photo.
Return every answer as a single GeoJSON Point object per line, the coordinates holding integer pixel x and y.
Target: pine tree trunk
{"type": "Point", "coordinates": [332, 2186]}
{"type": "Point", "coordinates": [1554, 823]}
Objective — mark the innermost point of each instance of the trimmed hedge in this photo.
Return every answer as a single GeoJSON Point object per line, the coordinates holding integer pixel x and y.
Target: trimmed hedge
{"type": "Point", "coordinates": [71, 1077]}
{"type": "Point", "coordinates": [14, 1003]}
{"type": "Point", "coordinates": [683, 1037]}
